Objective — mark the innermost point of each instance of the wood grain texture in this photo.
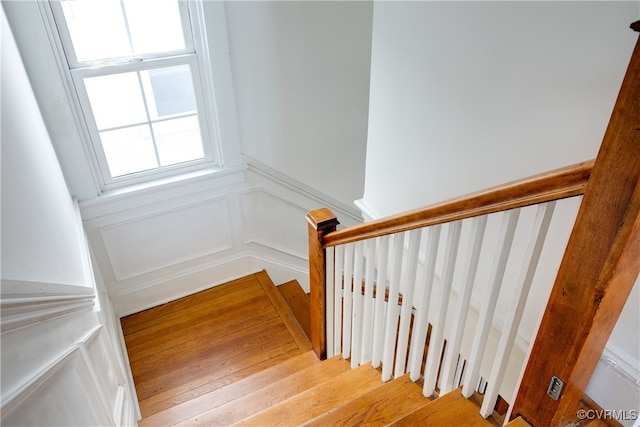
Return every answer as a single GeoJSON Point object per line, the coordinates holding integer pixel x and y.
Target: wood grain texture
{"type": "Point", "coordinates": [518, 422]}
{"type": "Point", "coordinates": [557, 184]}
{"type": "Point", "coordinates": [312, 403]}
{"type": "Point", "coordinates": [448, 410]}
{"type": "Point", "coordinates": [213, 381]}
{"type": "Point", "coordinates": [378, 407]}
{"type": "Point", "coordinates": [284, 312]}
{"type": "Point", "coordinates": [600, 265]}
{"type": "Point", "coordinates": [298, 302]}
{"type": "Point", "coordinates": [192, 346]}
{"type": "Point", "coordinates": [229, 392]}
{"type": "Point", "coordinates": [320, 222]}
{"type": "Point", "coordinates": [270, 395]}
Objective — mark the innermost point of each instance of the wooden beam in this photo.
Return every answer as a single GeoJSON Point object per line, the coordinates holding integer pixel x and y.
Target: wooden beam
{"type": "Point", "coordinates": [597, 273]}
{"type": "Point", "coordinates": [321, 222]}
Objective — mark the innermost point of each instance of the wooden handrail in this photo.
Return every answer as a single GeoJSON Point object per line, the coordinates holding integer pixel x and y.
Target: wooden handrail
{"type": "Point", "coordinates": [556, 184]}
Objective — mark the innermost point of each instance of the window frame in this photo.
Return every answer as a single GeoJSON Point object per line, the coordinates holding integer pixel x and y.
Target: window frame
{"type": "Point", "coordinates": [193, 55]}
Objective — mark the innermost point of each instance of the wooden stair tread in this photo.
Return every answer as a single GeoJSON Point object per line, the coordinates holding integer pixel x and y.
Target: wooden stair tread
{"type": "Point", "coordinates": [518, 422]}
{"type": "Point", "coordinates": [274, 393]}
{"type": "Point", "coordinates": [230, 392]}
{"type": "Point", "coordinates": [271, 337]}
{"type": "Point", "coordinates": [298, 302]}
{"type": "Point", "coordinates": [377, 407]}
{"type": "Point", "coordinates": [314, 402]}
{"type": "Point", "coordinates": [452, 407]}
{"type": "Point", "coordinates": [210, 382]}
{"type": "Point", "coordinates": [142, 320]}
{"type": "Point", "coordinates": [285, 313]}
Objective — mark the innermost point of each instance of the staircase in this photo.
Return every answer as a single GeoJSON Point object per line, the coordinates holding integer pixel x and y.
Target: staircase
{"type": "Point", "coordinates": [295, 390]}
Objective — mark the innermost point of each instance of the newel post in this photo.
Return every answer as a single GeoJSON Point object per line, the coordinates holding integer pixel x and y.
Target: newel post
{"type": "Point", "coordinates": [321, 222]}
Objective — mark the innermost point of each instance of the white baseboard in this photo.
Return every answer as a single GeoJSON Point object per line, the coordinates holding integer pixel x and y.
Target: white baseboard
{"type": "Point", "coordinates": [282, 267]}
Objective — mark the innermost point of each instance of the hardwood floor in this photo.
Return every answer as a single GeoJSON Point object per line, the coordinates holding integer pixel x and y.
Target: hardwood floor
{"type": "Point", "coordinates": [195, 345]}
{"type": "Point", "coordinates": [236, 355]}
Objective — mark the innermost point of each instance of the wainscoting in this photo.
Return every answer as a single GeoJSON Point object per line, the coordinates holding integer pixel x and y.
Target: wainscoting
{"type": "Point", "coordinates": [159, 243]}
{"type": "Point", "coordinates": [58, 363]}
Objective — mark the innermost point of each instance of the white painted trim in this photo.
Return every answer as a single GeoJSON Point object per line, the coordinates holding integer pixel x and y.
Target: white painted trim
{"type": "Point", "coordinates": [211, 251]}
{"type": "Point", "coordinates": [99, 333]}
{"type": "Point", "coordinates": [280, 271]}
{"type": "Point", "coordinates": [339, 208]}
{"type": "Point", "coordinates": [365, 210]}
{"type": "Point", "coordinates": [70, 92]}
{"type": "Point", "coordinates": [187, 183]}
{"type": "Point", "coordinates": [14, 400]}
{"type": "Point", "coordinates": [177, 277]}
{"type": "Point", "coordinates": [275, 247]}
{"type": "Point", "coordinates": [27, 303]}
{"type": "Point", "coordinates": [282, 267]}
{"type": "Point", "coordinates": [622, 363]}
{"type": "Point", "coordinates": [134, 411]}
{"type": "Point", "coordinates": [215, 21]}
{"type": "Point", "coordinates": [19, 397]}
{"type": "Point", "coordinates": [156, 292]}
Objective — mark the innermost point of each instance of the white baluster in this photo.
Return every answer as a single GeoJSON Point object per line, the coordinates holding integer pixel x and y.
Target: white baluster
{"type": "Point", "coordinates": [514, 315]}
{"type": "Point", "coordinates": [338, 296]}
{"type": "Point", "coordinates": [329, 298]}
{"type": "Point", "coordinates": [368, 303]}
{"type": "Point", "coordinates": [485, 319]}
{"type": "Point", "coordinates": [356, 322]}
{"type": "Point", "coordinates": [347, 300]}
{"type": "Point", "coordinates": [391, 323]}
{"type": "Point", "coordinates": [380, 313]}
{"type": "Point", "coordinates": [448, 383]}
{"type": "Point", "coordinates": [409, 278]}
{"type": "Point", "coordinates": [421, 322]}
{"type": "Point", "coordinates": [437, 331]}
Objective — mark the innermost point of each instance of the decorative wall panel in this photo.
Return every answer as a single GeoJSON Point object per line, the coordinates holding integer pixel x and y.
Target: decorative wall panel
{"type": "Point", "coordinates": [167, 238]}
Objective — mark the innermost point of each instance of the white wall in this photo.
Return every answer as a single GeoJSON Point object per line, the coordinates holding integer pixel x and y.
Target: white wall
{"type": "Point", "coordinates": [40, 231]}
{"type": "Point", "coordinates": [465, 95]}
{"type": "Point", "coordinates": [58, 362]}
{"type": "Point", "coordinates": [301, 79]}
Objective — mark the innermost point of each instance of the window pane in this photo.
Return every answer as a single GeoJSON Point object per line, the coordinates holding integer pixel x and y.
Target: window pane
{"type": "Point", "coordinates": [129, 150]}
{"type": "Point", "coordinates": [97, 28]}
{"type": "Point", "coordinates": [116, 100]}
{"type": "Point", "coordinates": [169, 91]}
{"type": "Point", "coordinates": [178, 140]}
{"type": "Point", "coordinates": [155, 25]}
{"type": "Point", "coordinates": [100, 29]}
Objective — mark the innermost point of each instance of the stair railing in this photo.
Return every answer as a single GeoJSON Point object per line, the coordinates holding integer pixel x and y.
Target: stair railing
{"type": "Point", "coordinates": [384, 292]}
{"type": "Point", "coordinates": [374, 295]}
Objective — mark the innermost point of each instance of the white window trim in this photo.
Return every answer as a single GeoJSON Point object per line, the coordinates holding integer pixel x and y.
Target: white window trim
{"type": "Point", "coordinates": [78, 75]}
{"type": "Point", "coordinates": [221, 132]}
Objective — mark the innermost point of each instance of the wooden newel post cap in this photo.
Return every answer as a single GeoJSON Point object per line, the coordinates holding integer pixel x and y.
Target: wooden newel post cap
{"type": "Point", "coordinates": [635, 26]}
{"type": "Point", "coordinates": [322, 219]}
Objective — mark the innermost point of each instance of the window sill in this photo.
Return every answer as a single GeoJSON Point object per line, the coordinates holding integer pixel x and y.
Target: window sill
{"type": "Point", "coordinates": [163, 188]}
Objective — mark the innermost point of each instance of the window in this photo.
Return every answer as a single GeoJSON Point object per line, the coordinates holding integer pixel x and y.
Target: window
{"type": "Point", "coordinates": [136, 74]}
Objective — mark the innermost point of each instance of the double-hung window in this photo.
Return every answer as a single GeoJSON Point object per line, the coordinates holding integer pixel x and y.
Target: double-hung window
{"type": "Point", "coordinates": [135, 70]}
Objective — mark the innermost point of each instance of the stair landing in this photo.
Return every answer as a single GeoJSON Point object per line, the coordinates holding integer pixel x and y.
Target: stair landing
{"type": "Point", "coordinates": [235, 355]}
{"type": "Point", "coordinates": [207, 341]}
